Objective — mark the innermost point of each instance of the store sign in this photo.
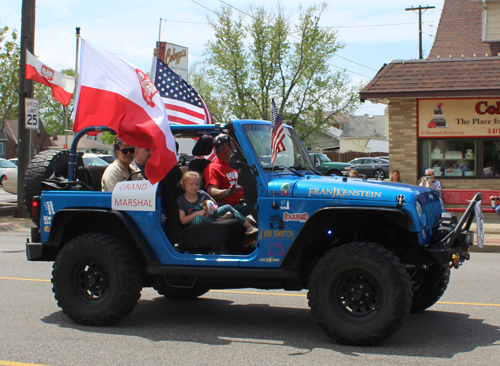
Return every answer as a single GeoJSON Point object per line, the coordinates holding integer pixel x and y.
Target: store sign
{"type": "Point", "coordinates": [458, 118]}
{"type": "Point", "coordinates": [175, 56]}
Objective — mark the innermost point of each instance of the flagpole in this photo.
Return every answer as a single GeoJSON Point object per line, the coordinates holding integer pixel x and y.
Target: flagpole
{"type": "Point", "coordinates": [76, 83]}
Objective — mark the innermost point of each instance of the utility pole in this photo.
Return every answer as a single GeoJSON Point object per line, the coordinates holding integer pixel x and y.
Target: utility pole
{"type": "Point", "coordinates": [420, 8]}
{"type": "Point", "coordinates": [26, 90]}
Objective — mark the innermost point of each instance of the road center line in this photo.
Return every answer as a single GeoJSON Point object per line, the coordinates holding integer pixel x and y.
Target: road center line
{"type": "Point", "coordinates": [266, 294]}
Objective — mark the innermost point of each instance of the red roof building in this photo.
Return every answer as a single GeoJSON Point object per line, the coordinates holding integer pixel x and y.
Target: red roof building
{"type": "Point", "coordinates": [444, 112]}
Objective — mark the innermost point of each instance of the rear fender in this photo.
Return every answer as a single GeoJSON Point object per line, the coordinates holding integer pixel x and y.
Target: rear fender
{"type": "Point", "coordinates": [69, 223]}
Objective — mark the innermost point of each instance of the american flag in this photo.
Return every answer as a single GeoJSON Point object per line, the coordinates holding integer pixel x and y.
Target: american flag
{"type": "Point", "coordinates": [277, 133]}
{"type": "Point", "coordinates": [184, 105]}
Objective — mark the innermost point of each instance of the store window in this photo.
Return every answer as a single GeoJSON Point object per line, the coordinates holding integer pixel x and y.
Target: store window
{"type": "Point", "coordinates": [477, 158]}
{"type": "Point", "coordinates": [451, 158]}
{"type": "Point", "coordinates": [491, 158]}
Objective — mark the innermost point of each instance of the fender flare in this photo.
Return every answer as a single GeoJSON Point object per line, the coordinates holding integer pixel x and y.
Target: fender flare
{"type": "Point", "coordinates": [319, 221]}
{"type": "Point", "coordinates": [63, 227]}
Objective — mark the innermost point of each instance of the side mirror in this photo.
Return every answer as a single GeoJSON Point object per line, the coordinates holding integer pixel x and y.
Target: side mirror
{"type": "Point", "coordinates": [235, 161]}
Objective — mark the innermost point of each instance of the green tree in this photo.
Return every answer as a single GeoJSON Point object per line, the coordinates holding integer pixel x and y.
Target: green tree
{"type": "Point", "coordinates": [248, 64]}
{"type": "Point", "coordinates": [9, 75]}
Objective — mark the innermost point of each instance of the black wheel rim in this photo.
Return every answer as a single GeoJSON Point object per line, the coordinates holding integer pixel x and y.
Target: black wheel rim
{"type": "Point", "coordinates": [91, 280]}
{"type": "Point", "coordinates": [356, 296]}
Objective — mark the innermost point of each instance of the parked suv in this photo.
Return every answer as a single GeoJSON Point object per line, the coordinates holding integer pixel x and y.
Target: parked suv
{"type": "Point", "coordinates": [367, 252]}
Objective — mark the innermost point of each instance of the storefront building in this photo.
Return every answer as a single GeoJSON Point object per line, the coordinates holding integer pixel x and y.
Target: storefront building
{"type": "Point", "coordinates": [444, 112]}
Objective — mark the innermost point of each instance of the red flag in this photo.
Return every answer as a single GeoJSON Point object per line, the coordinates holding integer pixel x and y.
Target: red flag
{"type": "Point", "coordinates": [62, 85]}
{"type": "Point", "coordinates": [112, 92]}
{"type": "Point", "coordinates": [184, 105]}
{"type": "Point", "coordinates": [277, 133]}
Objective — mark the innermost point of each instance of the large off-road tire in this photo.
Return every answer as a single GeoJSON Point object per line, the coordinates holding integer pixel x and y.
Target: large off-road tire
{"type": "Point", "coordinates": [429, 287]}
{"type": "Point", "coordinates": [41, 167]}
{"type": "Point", "coordinates": [97, 279]}
{"type": "Point", "coordinates": [176, 293]}
{"type": "Point", "coordinates": [359, 293]}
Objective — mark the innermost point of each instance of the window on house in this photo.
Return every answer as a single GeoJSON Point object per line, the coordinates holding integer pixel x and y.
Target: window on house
{"type": "Point", "coordinates": [491, 21]}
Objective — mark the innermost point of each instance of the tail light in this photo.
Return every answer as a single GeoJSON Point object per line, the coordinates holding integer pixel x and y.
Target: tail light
{"type": "Point", "coordinates": [35, 207]}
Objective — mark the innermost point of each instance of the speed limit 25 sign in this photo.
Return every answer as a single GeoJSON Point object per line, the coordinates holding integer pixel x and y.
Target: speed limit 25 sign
{"type": "Point", "coordinates": [31, 108]}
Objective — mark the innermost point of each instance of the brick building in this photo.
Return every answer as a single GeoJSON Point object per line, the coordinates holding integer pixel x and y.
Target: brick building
{"type": "Point", "coordinates": [444, 112]}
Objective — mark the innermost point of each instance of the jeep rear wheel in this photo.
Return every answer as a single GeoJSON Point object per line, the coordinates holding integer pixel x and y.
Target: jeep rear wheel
{"type": "Point", "coordinates": [41, 167]}
{"type": "Point", "coordinates": [429, 287]}
{"type": "Point", "coordinates": [359, 293]}
{"type": "Point", "coordinates": [97, 279]}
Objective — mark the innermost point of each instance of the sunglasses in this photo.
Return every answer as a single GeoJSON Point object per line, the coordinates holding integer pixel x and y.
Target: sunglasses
{"type": "Point", "coordinates": [129, 150]}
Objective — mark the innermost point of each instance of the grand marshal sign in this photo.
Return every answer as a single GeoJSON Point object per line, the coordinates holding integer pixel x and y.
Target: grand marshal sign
{"type": "Point", "coordinates": [458, 118]}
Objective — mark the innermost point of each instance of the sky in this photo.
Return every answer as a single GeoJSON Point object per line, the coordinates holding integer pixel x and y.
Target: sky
{"type": "Point", "coordinates": [374, 32]}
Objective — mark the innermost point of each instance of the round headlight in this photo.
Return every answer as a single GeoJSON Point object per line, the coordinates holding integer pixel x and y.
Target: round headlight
{"type": "Point", "coordinates": [419, 208]}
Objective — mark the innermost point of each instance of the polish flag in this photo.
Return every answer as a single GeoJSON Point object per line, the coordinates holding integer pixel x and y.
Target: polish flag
{"type": "Point", "coordinates": [112, 92]}
{"type": "Point", "coordinates": [62, 85]}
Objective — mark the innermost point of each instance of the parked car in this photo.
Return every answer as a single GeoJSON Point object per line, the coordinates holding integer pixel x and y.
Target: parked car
{"type": "Point", "coordinates": [371, 167]}
{"type": "Point", "coordinates": [327, 167]}
{"type": "Point", "coordinates": [107, 157]}
{"type": "Point", "coordinates": [94, 160]}
{"type": "Point", "coordinates": [6, 167]}
{"type": "Point", "coordinates": [9, 182]}
{"type": "Point", "coordinates": [10, 179]}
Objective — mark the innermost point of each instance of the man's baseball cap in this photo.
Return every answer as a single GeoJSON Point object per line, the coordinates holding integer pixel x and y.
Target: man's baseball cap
{"type": "Point", "coordinates": [220, 140]}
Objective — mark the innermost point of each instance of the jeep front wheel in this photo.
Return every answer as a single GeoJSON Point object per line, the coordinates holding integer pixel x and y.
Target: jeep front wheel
{"type": "Point", "coordinates": [429, 287]}
{"type": "Point", "coordinates": [359, 293]}
{"type": "Point", "coordinates": [97, 279]}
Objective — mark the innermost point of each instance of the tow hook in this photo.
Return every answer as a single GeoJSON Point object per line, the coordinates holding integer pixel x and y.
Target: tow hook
{"type": "Point", "coordinates": [454, 261]}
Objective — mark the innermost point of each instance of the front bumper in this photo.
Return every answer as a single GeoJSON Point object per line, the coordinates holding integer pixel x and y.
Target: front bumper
{"type": "Point", "coordinates": [454, 248]}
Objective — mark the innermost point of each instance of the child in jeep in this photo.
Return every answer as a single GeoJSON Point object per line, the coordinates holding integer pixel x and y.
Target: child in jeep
{"type": "Point", "coordinates": [192, 205]}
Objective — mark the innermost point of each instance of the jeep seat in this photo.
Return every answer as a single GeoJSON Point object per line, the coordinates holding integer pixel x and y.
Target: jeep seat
{"type": "Point", "coordinates": [203, 146]}
{"type": "Point", "coordinates": [91, 175]}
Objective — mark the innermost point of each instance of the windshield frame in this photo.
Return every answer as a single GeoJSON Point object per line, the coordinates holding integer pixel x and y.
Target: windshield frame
{"type": "Point", "coordinates": [259, 138]}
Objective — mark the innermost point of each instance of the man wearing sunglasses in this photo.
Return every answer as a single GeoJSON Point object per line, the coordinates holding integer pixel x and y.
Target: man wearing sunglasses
{"type": "Point", "coordinates": [122, 168]}
{"type": "Point", "coordinates": [429, 181]}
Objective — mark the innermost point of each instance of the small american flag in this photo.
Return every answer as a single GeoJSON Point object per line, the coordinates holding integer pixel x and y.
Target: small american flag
{"type": "Point", "coordinates": [277, 133]}
{"type": "Point", "coordinates": [184, 105]}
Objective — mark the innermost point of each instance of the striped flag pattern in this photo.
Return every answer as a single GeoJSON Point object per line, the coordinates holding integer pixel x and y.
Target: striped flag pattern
{"type": "Point", "coordinates": [184, 105]}
{"type": "Point", "coordinates": [277, 133]}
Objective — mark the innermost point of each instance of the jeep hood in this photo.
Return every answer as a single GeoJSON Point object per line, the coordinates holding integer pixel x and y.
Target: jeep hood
{"type": "Point", "coordinates": [314, 186]}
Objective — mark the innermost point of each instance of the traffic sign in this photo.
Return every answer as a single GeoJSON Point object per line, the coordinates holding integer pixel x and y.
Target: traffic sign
{"type": "Point", "coordinates": [31, 107]}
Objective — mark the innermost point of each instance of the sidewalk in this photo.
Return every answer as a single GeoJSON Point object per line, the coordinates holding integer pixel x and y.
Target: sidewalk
{"type": "Point", "coordinates": [491, 228]}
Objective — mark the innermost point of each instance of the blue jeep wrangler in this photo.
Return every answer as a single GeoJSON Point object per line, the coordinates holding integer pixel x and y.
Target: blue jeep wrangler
{"type": "Point", "coordinates": [368, 252]}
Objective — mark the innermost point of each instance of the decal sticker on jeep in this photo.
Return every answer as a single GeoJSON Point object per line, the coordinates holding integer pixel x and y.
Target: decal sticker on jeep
{"type": "Point", "coordinates": [269, 260]}
{"type": "Point", "coordinates": [285, 188]}
{"type": "Point", "coordinates": [276, 249]}
{"type": "Point", "coordinates": [279, 234]}
{"type": "Point", "coordinates": [336, 192]}
{"type": "Point", "coordinates": [302, 217]}
{"type": "Point", "coordinates": [276, 222]}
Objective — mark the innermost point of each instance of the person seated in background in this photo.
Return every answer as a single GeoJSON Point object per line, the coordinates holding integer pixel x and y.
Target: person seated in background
{"type": "Point", "coordinates": [395, 177]}
{"type": "Point", "coordinates": [222, 180]}
{"type": "Point", "coordinates": [354, 174]}
{"type": "Point", "coordinates": [120, 169]}
{"type": "Point", "coordinates": [141, 157]}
